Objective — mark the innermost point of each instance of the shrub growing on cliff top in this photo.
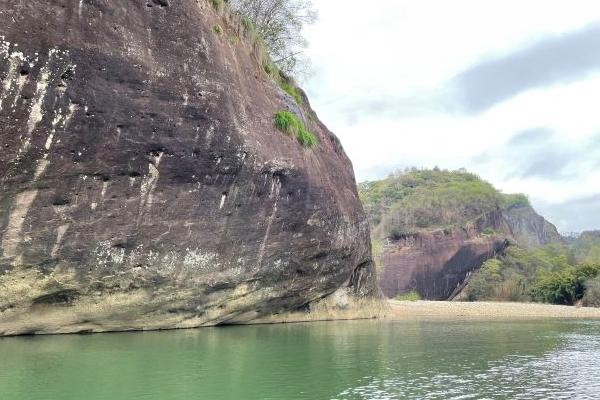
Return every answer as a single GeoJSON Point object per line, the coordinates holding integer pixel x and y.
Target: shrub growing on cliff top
{"type": "Point", "coordinates": [288, 123]}
{"type": "Point", "coordinates": [515, 200]}
{"type": "Point", "coordinates": [279, 23]}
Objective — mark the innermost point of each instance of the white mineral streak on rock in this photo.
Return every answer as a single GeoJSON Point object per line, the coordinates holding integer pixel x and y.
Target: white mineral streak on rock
{"type": "Point", "coordinates": [104, 189]}
{"type": "Point", "coordinates": [4, 47]}
{"type": "Point", "coordinates": [12, 75]}
{"type": "Point", "coordinates": [199, 260]}
{"type": "Point", "coordinates": [36, 115]}
{"type": "Point", "coordinates": [61, 120]}
{"type": "Point", "coordinates": [49, 141]}
{"type": "Point", "coordinates": [70, 111]}
{"type": "Point", "coordinates": [40, 169]}
{"type": "Point", "coordinates": [60, 233]}
{"type": "Point", "coordinates": [12, 234]}
{"type": "Point", "coordinates": [276, 189]}
{"type": "Point", "coordinates": [20, 82]}
{"type": "Point", "coordinates": [105, 254]}
{"type": "Point", "coordinates": [149, 184]}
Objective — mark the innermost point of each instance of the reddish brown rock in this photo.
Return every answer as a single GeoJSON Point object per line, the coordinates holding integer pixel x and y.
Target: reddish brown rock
{"type": "Point", "coordinates": [435, 264]}
{"type": "Point", "coordinates": [142, 183]}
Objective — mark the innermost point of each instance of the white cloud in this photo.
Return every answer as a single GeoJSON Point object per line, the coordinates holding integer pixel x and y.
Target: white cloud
{"type": "Point", "coordinates": [403, 53]}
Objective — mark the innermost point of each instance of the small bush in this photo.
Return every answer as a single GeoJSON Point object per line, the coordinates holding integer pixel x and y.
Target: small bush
{"type": "Point", "coordinates": [288, 123]}
{"type": "Point", "coordinates": [306, 139]}
{"type": "Point", "coordinates": [591, 298]}
{"type": "Point", "coordinates": [218, 30]}
{"type": "Point", "coordinates": [217, 4]}
{"type": "Point", "coordinates": [413, 295]}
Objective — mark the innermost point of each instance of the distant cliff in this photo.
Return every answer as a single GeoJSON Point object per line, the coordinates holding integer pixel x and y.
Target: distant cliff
{"type": "Point", "coordinates": [528, 228]}
{"type": "Point", "coordinates": [432, 228]}
{"type": "Point", "coordinates": [144, 184]}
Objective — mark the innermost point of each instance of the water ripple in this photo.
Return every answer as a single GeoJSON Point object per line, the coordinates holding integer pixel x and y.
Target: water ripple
{"type": "Point", "coordinates": [570, 372]}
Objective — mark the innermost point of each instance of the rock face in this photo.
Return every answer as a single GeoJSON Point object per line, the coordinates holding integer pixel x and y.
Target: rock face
{"type": "Point", "coordinates": [529, 229]}
{"type": "Point", "coordinates": [435, 264]}
{"type": "Point", "coordinates": [142, 183]}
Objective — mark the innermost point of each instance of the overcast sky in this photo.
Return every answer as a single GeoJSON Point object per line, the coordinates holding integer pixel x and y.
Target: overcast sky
{"type": "Point", "coordinates": [508, 89]}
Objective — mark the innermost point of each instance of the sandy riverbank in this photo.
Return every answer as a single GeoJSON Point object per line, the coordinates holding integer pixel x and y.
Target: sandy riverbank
{"type": "Point", "coordinates": [485, 310]}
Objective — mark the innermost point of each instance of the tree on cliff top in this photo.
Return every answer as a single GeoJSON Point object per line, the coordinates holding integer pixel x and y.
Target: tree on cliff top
{"type": "Point", "coordinates": [279, 23]}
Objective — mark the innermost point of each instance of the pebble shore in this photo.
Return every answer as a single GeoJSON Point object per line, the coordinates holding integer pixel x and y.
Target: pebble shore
{"type": "Point", "coordinates": [485, 310]}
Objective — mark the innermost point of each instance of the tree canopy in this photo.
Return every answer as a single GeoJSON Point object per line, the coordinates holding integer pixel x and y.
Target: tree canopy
{"type": "Point", "coordinates": [279, 23]}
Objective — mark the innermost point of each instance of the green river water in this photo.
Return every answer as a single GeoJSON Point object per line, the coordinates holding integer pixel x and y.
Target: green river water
{"type": "Point", "coordinates": [335, 360]}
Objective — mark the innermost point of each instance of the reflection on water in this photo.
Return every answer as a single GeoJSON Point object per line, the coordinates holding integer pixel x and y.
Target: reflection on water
{"type": "Point", "coordinates": [566, 369]}
{"type": "Point", "coordinates": [345, 360]}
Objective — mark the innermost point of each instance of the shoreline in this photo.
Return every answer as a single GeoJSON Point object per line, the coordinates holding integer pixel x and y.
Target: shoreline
{"type": "Point", "coordinates": [391, 310]}
{"type": "Point", "coordinates": [452, 310]}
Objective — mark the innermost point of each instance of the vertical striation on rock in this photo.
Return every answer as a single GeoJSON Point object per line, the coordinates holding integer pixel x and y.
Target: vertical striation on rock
{"type": "Point", "coordinates": [529, 229]}
{"type": "Point", "coordinates": [143, 184]}
{"type": "Point", "coordinates": [436, 263]}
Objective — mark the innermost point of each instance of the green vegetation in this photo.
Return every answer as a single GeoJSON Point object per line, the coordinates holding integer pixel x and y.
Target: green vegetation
{"type": "Point", "coordinates": [413, 295]}
{"type": "Point", "coordinates": [515, 200]}
{"type": "Point", "coordinates": [292, 90]}
{"type": "Point", "coordinates": [566, 286]}
{"type": "Point", "coordinates": [489, 232]}
{"type": "Point", "coordinates": [288, 123]}
{"type": "Point", "coordinates": [306, 138]}
{"type": "Point", "coordinates": [269, 68]}
{"type": "Point", "coordinates": [415, 200]}
{"type": "Point", "coordinates": [247, 24]}
{"type": "Point", "coordinates": [279, 24]}
{"type": "Point", "coordinates": [548, 274]}
{"type": "Point", "coordinates": [250, 13]}
{"type": "Point", "coordinates": [591, 297]}
{"type": "Point", "coordinates": [587, 247]}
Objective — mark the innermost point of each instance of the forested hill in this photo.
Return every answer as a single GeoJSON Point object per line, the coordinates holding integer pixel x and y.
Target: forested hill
{"type": "Point", "coordinates": [419, 200]}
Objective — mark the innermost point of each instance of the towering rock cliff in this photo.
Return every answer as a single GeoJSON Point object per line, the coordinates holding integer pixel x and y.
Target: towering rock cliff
{"type": "Point", "coordinates": [143, 184]}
